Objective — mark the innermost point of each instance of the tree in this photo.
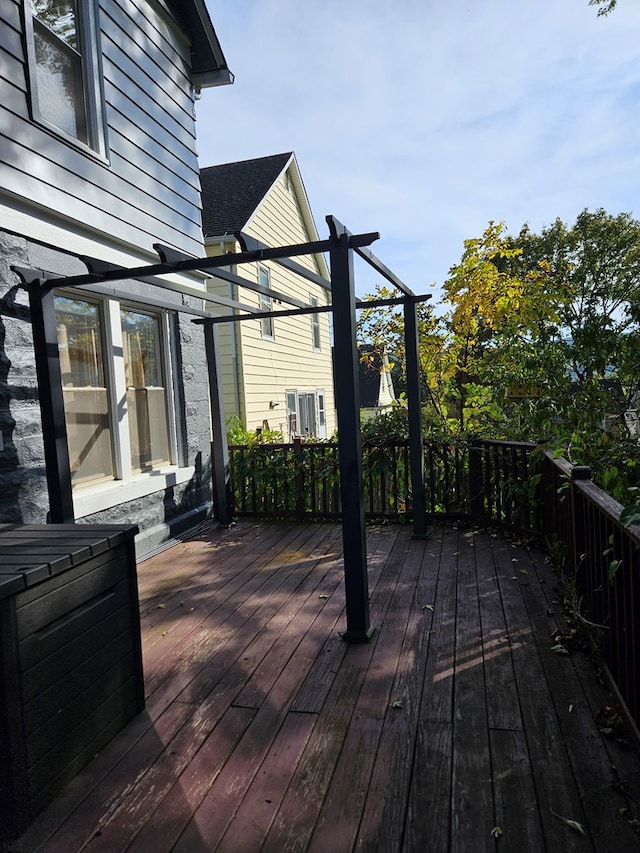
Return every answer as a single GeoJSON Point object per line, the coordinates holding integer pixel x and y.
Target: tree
{"type": "Point", "coordinates": [596, 266]}
{"type": "Point", "coordinates": [499, 315]}
{"type": "Point", "coordinates": [606, 6]}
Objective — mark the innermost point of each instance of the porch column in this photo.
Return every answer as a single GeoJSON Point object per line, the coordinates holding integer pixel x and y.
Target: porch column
{"type": "Point", "coordinates": [54, 429]}
{"type": "Point", "coordinates": [416, 447]}
{"type": "Point", "coordinates": [347, 394]}
{"type": "Point", "coordinates": [219, 446]}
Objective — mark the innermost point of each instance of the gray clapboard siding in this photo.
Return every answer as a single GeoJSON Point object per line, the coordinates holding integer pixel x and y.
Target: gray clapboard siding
{"type": "Point", "coordinates": [126, 77]}
{"type": "Point", "coordinates": [167, 63]}
{"type": "Point", "coordinates": [143, 115]}
{"type": "Point", "coordinates": [10, 41]}
{"type": "Point", "coordinates": [88, 195]}
{"type": "Point", "coordinates": [149, 191]}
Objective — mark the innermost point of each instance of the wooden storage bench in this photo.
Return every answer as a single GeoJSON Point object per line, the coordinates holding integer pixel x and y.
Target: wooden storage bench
{"type": "Point", "coordinates": [70, 656]}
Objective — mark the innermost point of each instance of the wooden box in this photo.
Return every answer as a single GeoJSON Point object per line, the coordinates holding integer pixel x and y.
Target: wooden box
{"type": "Point", "coordinates": [70, 656]}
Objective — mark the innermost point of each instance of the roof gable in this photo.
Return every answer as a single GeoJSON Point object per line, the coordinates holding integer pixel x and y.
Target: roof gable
{"type": "Point", "coordinates": [232, 192]}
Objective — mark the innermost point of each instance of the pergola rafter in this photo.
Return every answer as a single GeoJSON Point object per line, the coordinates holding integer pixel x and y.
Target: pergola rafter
{"type": "Point", "coordinates": [340, 246]}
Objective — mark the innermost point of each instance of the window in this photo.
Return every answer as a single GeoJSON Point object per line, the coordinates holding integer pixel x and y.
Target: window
{"type": "Point", "coordinates": [315, 324]}
{"type": "Point", "coordinates": [85, 390]}
{"type": "Point", "coordinates": [146, 393]}
{"type": "Point", "coordinates": [266, 303]}
{"type": "Point", "coordinates": [65, 69]}
{"type": "Point", "coordinates": [306, 414]}
{"type": "Point", "coordinates": [108, 440]}
{"type": "Point", "coordinates": [292, 413]}
{"type": "Point", "coordinates": [322, 416]}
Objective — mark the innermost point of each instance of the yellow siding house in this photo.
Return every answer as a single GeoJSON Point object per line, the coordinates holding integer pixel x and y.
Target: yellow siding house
{"type": "Point", "coordinates": [277, 373]}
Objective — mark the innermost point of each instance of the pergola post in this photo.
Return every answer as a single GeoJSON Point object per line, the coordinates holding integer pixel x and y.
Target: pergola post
{"type": "Point", "coordinates": [347, 395]}
{"type": "Point", "coordinates": [414, 401]}
{"type": "Point", "coordinates": [54, 430]}
{"type": "Point", "coordinates": [219, 447]}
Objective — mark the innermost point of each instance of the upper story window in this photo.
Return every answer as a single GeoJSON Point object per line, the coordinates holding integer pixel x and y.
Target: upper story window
{"type": "Point", "coordinates": [266, 303]}
{"type": "Point", "coordinates": [65, 69]}
{"type": "Point", "coordinates": [315, 324]}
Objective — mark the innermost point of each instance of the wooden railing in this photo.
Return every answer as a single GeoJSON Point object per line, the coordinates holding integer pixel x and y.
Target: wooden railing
{"type": "Point", "coordinates": [581, 525]}
{"type": "Point", "coordinates": [489, 480]}
{"type": "Point", "coordinates": [507, 483]}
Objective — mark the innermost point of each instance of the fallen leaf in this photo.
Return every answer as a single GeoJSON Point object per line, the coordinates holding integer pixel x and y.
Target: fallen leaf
{"type": "Point", "coordinates": [323, 595]}
{"type": "Point", "coordinates": [578, 827]}
{"type": "Point", "coordinates": [161, 606]}
{"type": "Point", "coordinates": [397, 704]}
{"type": "Point", "coordinates": [427, 607]}
{"type": "Point", "coordinates": [523, 571]}
{"type": "Point", "coordinates": [496, 832]}
{"type": "Point", "coordinates": [560, 649]}
{"type": "Point", "coordinates": [164, 633]}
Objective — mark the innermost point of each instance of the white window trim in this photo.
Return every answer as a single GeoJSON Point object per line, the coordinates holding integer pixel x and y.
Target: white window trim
{"type": "Point", "coordinates": [127, 484]}
{"type": "Point", "coordinates": [104, 495]}
{"type": "Point", "coordinates": [314, 302]}
{"type": "Point", "coordinates": [92, 75]}
{"type": "Point", "coordinates": [266, 303]}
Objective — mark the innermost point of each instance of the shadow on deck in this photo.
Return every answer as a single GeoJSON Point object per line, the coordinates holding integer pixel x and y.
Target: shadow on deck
{"type": "Point", "coordinates": [458, 728]}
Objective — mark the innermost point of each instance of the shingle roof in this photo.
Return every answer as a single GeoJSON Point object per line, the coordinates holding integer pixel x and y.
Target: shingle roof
{"type": "Point", "coordinates": [232, 191]}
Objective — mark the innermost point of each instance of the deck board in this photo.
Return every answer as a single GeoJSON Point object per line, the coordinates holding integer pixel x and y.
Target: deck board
{"type": "Point", "coordinates": [263, 731]}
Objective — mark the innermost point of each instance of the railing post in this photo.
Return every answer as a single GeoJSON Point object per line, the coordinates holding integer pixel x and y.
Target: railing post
{"type": "Point", "coordinates": [476, 482]}
{"type": "Point", "coordinates": [299, 478]}
{"type": "Point", "coordinates": [578, 529]}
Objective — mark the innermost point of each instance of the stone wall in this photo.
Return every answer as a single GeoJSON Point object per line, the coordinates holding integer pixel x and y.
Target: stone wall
{"type": "Point", "coordinates": [23, 490]}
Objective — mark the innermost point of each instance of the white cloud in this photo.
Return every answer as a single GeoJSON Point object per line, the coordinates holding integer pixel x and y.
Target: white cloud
{"type": "Point", "coordinates": [425, 120]}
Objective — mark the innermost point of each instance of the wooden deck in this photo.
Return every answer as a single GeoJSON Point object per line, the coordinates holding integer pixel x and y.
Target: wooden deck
{"type": "Point", "coordinates": [457, 728]}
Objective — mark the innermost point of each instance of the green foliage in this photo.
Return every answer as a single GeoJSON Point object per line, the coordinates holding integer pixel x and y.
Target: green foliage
{"type": "Point", "coordinates": [540, 342]}
{"type": "Point", "coordinates": [238, 434]}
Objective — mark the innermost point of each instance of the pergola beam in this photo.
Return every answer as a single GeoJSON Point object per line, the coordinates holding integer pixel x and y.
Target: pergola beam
{"type": "Point", "coordinates": [315, 309]}
{"type": "Point", "coordinates": [385, 272]}
{"type": "Point", "coordinates": [257, 288]}
{"type": "Point", "coordinates": [250, 244]}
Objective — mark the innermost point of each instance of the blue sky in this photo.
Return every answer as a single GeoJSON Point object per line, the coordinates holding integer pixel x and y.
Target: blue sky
{"type": "Point", "coordinates": [426, 119]}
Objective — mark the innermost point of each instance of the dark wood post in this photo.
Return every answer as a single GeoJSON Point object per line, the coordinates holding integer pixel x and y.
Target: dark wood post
{"type": "Point", "coordinates": [347, 392]}
{"type": "Point", "coordinates": [414, 401]}
{"type": "Point", "coordinates": [54, 429]}
{"type": "Point", "coordinates": [219, 446]}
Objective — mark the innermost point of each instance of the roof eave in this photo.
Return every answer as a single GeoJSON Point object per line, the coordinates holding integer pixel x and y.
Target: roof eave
{"type": "Point", "coordinates": [208, 64]}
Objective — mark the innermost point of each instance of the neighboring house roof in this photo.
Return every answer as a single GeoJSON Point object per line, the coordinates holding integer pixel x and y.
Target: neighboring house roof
{"type": "Point", "coordinates": [208, 65]}
{"type": "Point", "coordinates": [232, 194]}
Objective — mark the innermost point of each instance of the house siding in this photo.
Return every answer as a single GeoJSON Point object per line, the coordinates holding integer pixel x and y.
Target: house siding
{"type": "Point", "coordinates": [57, 201]}
{"type": "Point", "coordinates": [270, 368]}
{"type": "Point", "coordinates": [149, 191]}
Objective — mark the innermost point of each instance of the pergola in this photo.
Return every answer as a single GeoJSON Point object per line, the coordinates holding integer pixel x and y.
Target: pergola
{"type": "Point", "coordinates": [341, 246]}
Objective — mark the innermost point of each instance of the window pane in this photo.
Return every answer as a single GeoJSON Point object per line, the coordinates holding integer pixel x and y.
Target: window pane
{"type": "Point", "coordinates": [60, 84]}
{"type": "Point", "coordinates": [146, 393]}
{"type": "Point", "coordinates": [60, 17]}
{"type": "Point", "coordinates": [266, 303]}
{"type": "Point", "coordinates": [85, 392]}
{"type": "Point", "coordinates": [315, 324]}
